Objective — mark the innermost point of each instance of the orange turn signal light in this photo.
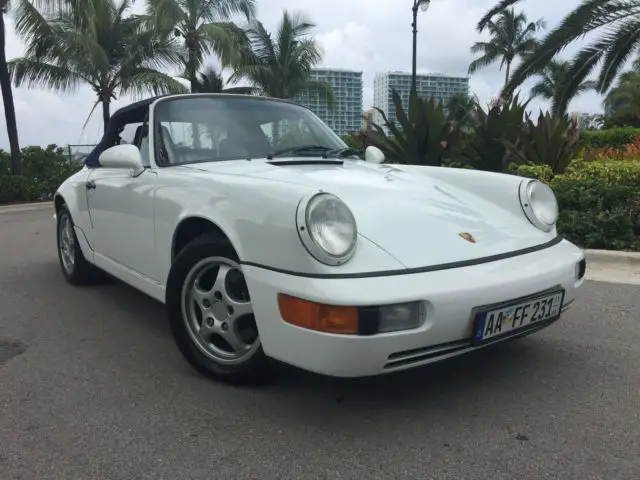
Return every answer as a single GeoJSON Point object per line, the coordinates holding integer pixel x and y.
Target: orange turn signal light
{"type": "Point", "coordinates": [318, 316]}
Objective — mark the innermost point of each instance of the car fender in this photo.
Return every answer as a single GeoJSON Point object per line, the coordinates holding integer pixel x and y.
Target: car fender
{"type": "Point", "coordinates": [73, 193]}
{"type": "Point", "coordinates": [258, 218]}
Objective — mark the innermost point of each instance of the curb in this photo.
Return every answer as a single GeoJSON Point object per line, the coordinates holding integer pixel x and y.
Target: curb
{"type": "Point", "coordinates": [613, 267]}
{"type": "Point", "coordinates": [614, 258]}
{"type": "Point", "coordinates": [25, 207]}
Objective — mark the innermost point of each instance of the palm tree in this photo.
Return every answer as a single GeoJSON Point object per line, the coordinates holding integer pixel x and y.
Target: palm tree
{"type": "Point", "coordinates": [99, 46]}
{"type": "Point", "coordinates": [622, 104]}
{"type": "Point", "coordinates": [511, 37]}
{"type": "Point", "coordinates": [619, 24]}
{"type": "Point", "coordinates": [281, 67]}
{"type": "Point", "coordinates": [7, 97]}
{"type": "Point", "coordinates": [211, 81]}
{"type": "Point", "coordinates": [552, 81]}
{"type": "Point", "coordinates": [204, 27]}
{"type": "Point", "coordinates": [460, 108]}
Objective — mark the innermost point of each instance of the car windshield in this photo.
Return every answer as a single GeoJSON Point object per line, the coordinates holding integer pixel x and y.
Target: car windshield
{"type": "Point", "coordinates": [216, 128]}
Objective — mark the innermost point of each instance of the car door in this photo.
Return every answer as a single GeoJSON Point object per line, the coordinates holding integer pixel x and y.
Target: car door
{"type": "Point", "coordinates": [121, 209]}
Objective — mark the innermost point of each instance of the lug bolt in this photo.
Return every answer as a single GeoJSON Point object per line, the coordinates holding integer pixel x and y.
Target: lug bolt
{"type": "Point", "coordinates": [206, 303]}
{"type": "Point", "coordinates": [210, 322]}
{"type": "Point", "coordinates": [224, 326]}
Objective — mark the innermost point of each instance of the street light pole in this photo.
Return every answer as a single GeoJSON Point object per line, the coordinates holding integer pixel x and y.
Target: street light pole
{"type": "Point", "coordinates": [424, 6]}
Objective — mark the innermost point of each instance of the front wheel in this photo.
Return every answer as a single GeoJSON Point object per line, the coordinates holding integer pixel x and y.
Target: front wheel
{"type": "Point", "coordinates": [211, 314]}
{"type": "Point", "coordinates": [76, 269]}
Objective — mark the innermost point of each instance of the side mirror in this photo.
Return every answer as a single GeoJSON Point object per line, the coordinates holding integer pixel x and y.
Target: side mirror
{"type": "Point", "coordinates": [373, 155]}
{"type": "Point", "coordinates": [123, 156]}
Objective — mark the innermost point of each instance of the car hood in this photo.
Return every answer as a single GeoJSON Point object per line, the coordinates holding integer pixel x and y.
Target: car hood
{"type": "Point", "coordinates": [419, 220]}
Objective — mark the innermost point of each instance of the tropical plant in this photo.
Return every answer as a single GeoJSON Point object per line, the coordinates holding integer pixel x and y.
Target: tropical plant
{"type": "Point", "coordinates": [622, 104]}
{"type": "Point", "coordinates": [511, 36]}
{"type": "Point", "coordinates": [211, 81]}
{"type": "Point", "coordinates": [486, 148]}
{"type": "Point", "coordinates": [553, 140]}
{"type": "Point", "coordinates": [100, 46]}
{"type": "Point", "coordinates": [7, 96]}
{"type": "Point", "coordinates": [204, 27]}
{"type": "Point", "coordinates": [459, 109]}
{"type": "Point", "coordinates": [423, 135]}
{"type": "Point", "coordinates": [552, 80]}
{"type": "Point", "coordinates": [281, 67]}
{"type": "Point", "coordinates": [591, 121]}
{"type": "Point", "coordinates": [618, 21]}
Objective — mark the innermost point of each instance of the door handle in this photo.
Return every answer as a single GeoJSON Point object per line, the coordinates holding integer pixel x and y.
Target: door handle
{"type": "Point", "coordinates": [91, 185]}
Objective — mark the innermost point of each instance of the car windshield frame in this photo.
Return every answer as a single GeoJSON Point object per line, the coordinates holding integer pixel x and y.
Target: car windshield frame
{"type": "Point", "coordinates": [240, 114]}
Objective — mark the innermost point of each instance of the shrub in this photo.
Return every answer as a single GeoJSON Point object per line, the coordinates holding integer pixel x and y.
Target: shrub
{"type": "Point", "coordinates": [13, 188]}
{"type": "Point", "coordinates": [599, 202]}
{"type": "Point", "coordinates": [43, 170]}
{"type": "Point", "coordinates": [614, 137]}
{"type": "Point", "coordinates": [540, 172]}
{"type": "Point", "coordinates": [630, 151]}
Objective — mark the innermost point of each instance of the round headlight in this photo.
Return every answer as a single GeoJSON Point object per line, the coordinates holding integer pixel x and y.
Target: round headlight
{"type": "Point", "coordinates": [327, 228]}
{"type": "Point", "coordinates": [539, 204]}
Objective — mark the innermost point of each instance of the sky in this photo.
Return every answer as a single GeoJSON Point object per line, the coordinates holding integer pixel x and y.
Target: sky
{"type": "Point", "coordinates": [366, 35]}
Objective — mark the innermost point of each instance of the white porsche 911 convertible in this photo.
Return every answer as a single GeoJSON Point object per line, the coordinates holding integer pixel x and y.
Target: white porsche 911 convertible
{"type": "Point", "coordinates": [269, 240]}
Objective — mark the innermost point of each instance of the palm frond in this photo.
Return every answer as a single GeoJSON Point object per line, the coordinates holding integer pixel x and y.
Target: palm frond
{"type": "Point", "coordinates": [33, 73]}
{"type": "Point", "coordinates": [482, 62]}
{"type": "Point", "coordinates": [280, 65]}
{"type": "Point", "coordinates": [215, 10]}
{"type": "Point", "coordinates": [503, 5]}
{"type": "Point", "coordinates": [163, 16]}
{"type": "Point", "coordinates": [589, 16]}
{"type": "Point", "coordinates": [582, 65]}
{"type": "Point", "coordinates": [147, 81]}
{"type": "Point", "coordinates": [621, 46]}
{"type": "Point", "coordinates": [225, 39]}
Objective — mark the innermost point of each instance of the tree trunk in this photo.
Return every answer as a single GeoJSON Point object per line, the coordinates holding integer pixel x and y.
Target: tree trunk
{"type": "Point", "coordinates": [9, 109]}
{"type": "Point", "coordinates": [506, 78]}
{"type": "Point", "coordinates": [192, 68]}
{"type": "Point", "coordinates": [106, 114]}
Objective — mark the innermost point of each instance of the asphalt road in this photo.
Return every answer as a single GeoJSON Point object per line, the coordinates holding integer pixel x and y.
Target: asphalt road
{"type": "Point", "coordinates": [100, 392]}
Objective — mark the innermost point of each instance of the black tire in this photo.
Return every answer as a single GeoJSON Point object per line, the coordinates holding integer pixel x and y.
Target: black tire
{"type": "Point", "coordinates": [81, 272]}
{"type": "Point", "coordinates": [257, 368]}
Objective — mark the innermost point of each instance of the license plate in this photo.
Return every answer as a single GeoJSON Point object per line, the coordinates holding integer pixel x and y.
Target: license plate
{"type": "Point", "coordinates": [507, 319]}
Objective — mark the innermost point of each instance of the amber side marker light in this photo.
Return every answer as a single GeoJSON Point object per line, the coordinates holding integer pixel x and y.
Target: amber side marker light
{"type": "Point", "coordinates": [318, 316]}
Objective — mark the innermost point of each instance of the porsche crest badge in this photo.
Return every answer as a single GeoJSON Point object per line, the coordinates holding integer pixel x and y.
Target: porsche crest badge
{"type": "Point", "coordinates": [468, 237]}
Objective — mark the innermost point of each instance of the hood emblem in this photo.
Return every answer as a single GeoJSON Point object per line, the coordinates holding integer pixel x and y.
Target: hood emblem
{"type": "Point", "coordinates": [468, 237]}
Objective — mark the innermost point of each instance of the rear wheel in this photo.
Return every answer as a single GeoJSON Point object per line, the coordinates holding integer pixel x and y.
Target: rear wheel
{"type": "Point", "coordinates": [75, 268]}
{"type": "Point", "coordinates": [211, 314]}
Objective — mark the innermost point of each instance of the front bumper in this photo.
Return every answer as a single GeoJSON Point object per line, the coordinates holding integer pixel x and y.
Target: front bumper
{"type": "Point", "coordinates": [450, 296]}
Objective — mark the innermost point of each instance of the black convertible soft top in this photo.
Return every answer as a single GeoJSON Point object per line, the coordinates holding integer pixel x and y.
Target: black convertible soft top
{"type": "Point", "coordinates": [133, 113]}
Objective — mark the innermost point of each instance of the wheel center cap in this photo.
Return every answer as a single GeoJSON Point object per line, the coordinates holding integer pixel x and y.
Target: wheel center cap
{"type": "Point", "coordinates": [220, 311]}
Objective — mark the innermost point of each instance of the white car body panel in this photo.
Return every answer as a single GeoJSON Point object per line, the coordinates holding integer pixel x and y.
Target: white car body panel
{"type": "Point", "coordinates": [409, 219]}
{"type": "Point", "coordinates": [450, 296]}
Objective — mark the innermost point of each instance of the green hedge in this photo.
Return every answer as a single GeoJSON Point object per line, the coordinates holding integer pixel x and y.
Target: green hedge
{"type": "Point", "coordinates": [43, 170]}
{"type": "Point", "coordinates": [614, 137]}
{"type": "Point", "coordinates": [599, 202]}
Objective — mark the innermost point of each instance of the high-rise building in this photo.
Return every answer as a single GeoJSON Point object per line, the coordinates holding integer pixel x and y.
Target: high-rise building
{"type": "Point", "coordinates": [346, 115]}
{"type": "Point", "coordinates": [438, 86]}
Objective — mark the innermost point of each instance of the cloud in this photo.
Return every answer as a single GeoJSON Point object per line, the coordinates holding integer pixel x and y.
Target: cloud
{"type": "Point", "coordinates": [366, 35]}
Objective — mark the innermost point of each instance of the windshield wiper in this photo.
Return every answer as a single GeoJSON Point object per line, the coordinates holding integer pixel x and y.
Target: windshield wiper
{"type": "Point", "coordinates": [300, 149]}
{"type": "Point", "coordinates": [344, 152]}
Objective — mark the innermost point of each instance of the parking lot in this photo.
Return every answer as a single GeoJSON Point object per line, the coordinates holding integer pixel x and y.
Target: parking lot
{"type": "Point", "coordinates": [97, 390]}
